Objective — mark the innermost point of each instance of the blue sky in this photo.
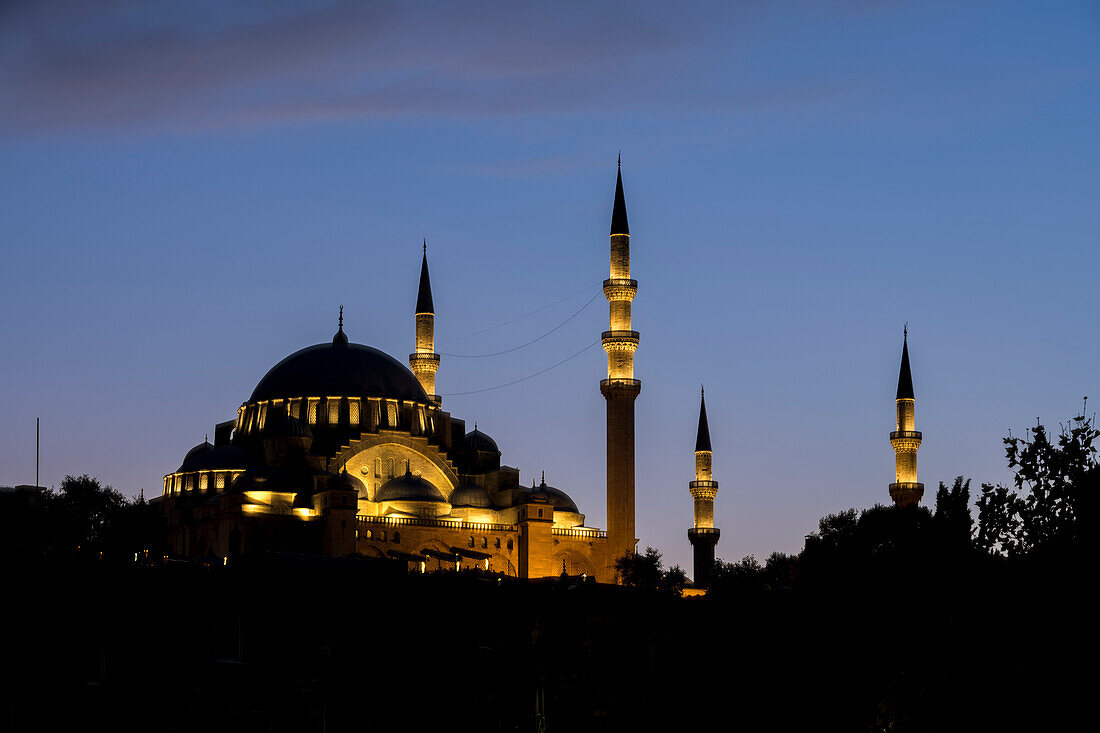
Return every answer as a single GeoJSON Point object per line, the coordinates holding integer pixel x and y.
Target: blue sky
{"type": "Point", "coordinates": [188, 194]}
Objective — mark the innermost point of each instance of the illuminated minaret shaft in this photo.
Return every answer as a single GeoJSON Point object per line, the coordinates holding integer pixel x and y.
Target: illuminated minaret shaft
{"type": "Point", "coordinates": [620, 389]}
{"type": "Point", "coordinates": [704, 535]}
{"type": "Point", "coordinates": [906, 490]}
{"type": "Point", "coordinates": [424, 362]}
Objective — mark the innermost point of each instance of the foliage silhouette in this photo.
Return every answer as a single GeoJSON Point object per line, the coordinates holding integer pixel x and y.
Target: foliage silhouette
{"type": "Point", "coordinates": [647, 572]}
{"type": "Point", "coordinates": [1051, 507]}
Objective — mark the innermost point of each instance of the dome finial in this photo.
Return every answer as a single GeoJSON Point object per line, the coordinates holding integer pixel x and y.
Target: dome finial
{"type": "Point", "coordinates": [543, 478]}
{"type": "Point", "coordinates": [425, 246]}
{"type": "Point", "coordinates": [340, 337]}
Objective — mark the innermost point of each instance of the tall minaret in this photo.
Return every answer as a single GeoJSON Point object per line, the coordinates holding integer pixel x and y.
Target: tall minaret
{"type": "Point", "coordinates": [704, 535]}
{"type": "Point", "coordinates": [620, 389]}
{"type": "Point", "coordinates": [906, 491]}
{"type": "Point", "coordinates": [424, 362]}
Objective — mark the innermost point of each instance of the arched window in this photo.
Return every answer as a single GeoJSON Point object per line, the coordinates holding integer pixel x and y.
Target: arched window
{"type": "Point", "coordinates": [389, 468]}
{"type": "Point", "coordinates": [509, 544]}
{"type": "Point", "coordinates": [471, 541]}
{"type": "Point", "coordinates": [382, 535]}
{"type": "Point", "coordinates": [377, 468]}
{"type": "Point", "coordinates": [353, 412]}
{"type": "Point", "coordinates": [484, 542]}
{"type": "Point", "coordinates": [333, 412]}
{"type": "Point", "coordinates": [396, 537]}
{"type": "Point", "coordinates": [313, 412]}
{"type": "Point", "coordinates": [204, 482]}
{"type": "Point", "coordinates": [295, 409]}
{"type": "Point", "coordinates": [496, 543]}
{"type": "Point", "coordinates": [219, 481]}
{"type": "Point", "coordinates": [370, 535]}
{"type": "Point", "coordinates": [391, 414]}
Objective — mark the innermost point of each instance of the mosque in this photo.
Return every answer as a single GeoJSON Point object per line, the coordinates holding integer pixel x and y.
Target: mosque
{"type": "Point", "coordinates": [341, 449]}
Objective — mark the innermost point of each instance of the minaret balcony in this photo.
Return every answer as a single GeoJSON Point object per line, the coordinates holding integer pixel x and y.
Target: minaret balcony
{"type": "Point", "coordinates": [616, 289]}
{"type": "Point", "coordinates": [424, 363]}
{"type": "Point", "coordinates": [906, 493]}
{"type": "Point", "coordinates": [621, 340]}
{"type": "Point", "coordinates": [617, 388]}
{"type": "Point", "coordinates": [906, 434]}
{"type": "Point", "coordinates": [705, 490]}
{"type": "Point", "coordinates": [707, 535]}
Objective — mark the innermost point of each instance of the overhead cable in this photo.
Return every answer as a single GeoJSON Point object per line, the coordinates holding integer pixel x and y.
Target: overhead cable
{"type": "Point", "coordinates": [517, 318]}
{"type": "Point", "coordinates": [532, 341]}
{"type": "Point", "coordinates": [529, 376]}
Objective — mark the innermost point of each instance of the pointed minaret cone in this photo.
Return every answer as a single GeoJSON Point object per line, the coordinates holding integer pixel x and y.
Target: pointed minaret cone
{"type": "Point", "coordinates": [619, 224]}
{"type": "Point", "coordinates": [424, 302]}
{"type": "Point", "coordinates": [424, 362]}
{"type": "Point", "coordinates": [702, 437]}
{"type": "Point", "coordinates": [620, 389]}
{"type": "Point", "coordinates": [703, 535]}
{"type": "Point", "coordinates": [906, 490]}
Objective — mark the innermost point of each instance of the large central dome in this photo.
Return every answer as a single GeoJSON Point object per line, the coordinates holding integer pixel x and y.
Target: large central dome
{"type": "Point", "coordinates": [339, 369]}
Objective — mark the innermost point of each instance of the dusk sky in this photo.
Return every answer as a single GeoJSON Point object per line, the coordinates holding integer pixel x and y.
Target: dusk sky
{"type": "Point", "coordinates": [187, 196]}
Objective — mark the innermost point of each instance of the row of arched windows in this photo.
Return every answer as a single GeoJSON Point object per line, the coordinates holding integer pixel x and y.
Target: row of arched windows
{"type": "Point", "coordinates": [178, 483]}
{"type": "Point", "coordinates": [338, 411]}
{"type": "Point", "coordinates": [484, 543]}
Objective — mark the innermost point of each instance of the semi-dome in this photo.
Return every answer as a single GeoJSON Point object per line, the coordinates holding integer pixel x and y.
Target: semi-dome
{"type": "Point", "coordinates": [339, 369]}
{"type": "Point", "coordinates": [470, 494]}
{"type": "Point", "coordinates": [408, 488]}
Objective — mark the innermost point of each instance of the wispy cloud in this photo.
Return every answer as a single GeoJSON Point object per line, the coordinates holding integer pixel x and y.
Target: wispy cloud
{"type": "Point", "coordinates": [120, 63]}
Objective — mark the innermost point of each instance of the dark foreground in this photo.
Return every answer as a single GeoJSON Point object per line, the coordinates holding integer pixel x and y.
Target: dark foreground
{"type": "Point", "coordinates": [289, 644]}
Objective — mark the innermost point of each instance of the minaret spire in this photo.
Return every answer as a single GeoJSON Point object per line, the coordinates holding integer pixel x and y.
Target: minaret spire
{"type": "Point", "coordinates": [424, 362]}
{"type": "Point", "coordinates": [906, 440]}
{"type": "Point", "coordinates": [620, 389]}
{"type": "Point", "coordinates": [619, 224]}
{"type": "Point", "coordinates": [702, 437]}
{"type": "Point", "coordinates": [703, 535]}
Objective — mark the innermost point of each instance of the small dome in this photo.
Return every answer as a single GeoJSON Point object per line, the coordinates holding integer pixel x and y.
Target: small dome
{"type": "Point", "coordinates": [205, 457]}
{"type": "Point", "coordinates": [470, 494]}
{"type": "Point", "coordinates": [345, 480]}
{"type": "Point", "coordinates": [408, 488]}
{"type": "Point", "coordinates": [476, 440]}
{"type": "Point", "coordinates": [195, 458]}
{"type": "Point", "coordinates": [555, 496]}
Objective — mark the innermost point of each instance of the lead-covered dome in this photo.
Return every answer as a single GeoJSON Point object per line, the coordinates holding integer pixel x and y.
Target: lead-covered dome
{"type": "Point", "coordinates": [409, 488]}
{"type": "Point", "coordinates": [472, 495]}
{"type": "Point", "coordinates": [339, 369]}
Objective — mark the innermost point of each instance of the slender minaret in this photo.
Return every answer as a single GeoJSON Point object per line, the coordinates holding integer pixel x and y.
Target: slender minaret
{"type": "Point", "coordinates": [906, 490]}
{"type": "Point", "coordinates": [704, 535]}
{"type": "Point", "coordinates": [620, 389]}
{"type": "Point", "coordinates": [424, 362]}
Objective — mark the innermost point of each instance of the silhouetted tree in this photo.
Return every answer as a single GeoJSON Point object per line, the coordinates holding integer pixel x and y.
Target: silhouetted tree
{"type": "Point", "coordinates": [1051, 505]}
{"type": "Point", "coordinates": [81, 514]}
{"type": "Point", "coordinates": [647, 572]}
{"type": "Point", "coordinates": [952, 515]}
